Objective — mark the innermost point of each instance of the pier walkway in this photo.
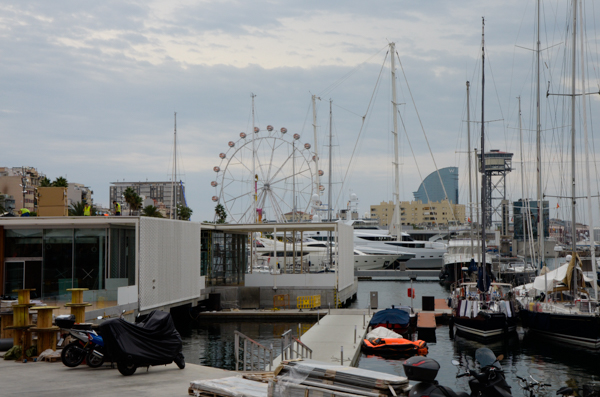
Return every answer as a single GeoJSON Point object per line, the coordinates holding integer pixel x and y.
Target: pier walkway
{"type": "Point", "coordinates": [54, 379]}
{"type": "Point", "coordinates": [334, 332]}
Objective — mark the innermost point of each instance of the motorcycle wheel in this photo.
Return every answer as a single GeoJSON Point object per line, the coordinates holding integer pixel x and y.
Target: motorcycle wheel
{"type": "Point", "coordinates": [93, 361]}
{"type": "Point", "coordinates": [179, 360]}
{"type": "Point", "coordinates": [72, 354]}
{"type": "Point", "coordinates": [126, 368]}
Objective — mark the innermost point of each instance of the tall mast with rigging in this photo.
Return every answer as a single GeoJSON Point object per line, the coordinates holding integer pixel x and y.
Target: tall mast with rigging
{"type": "Point", "coordinates": [469, 154]}
{"type": "Point", "coordinates": [587, 161]}
{"type": "Point", "coordinates": [396, 220]}
{"type": "Point", "coordinates": [314, 111]}
{"type": "Point", "coordinates": [483, 174]}
{"type": "Point", "coordinates": [540, 208]}
{"type": "Point", "coordinates": [573, 65]}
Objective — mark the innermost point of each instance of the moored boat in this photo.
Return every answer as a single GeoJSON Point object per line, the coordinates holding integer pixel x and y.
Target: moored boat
{"type": "Point", "coordinates": [484, 316]}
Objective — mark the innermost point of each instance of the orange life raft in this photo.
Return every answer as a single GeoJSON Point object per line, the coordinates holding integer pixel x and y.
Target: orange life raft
{"type": "Point", "coordinates": [398, 346]}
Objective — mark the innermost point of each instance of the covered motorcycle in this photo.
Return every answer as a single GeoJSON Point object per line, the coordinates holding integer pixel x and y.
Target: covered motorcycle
{"type": "Point", "coordinates": [153, 341]}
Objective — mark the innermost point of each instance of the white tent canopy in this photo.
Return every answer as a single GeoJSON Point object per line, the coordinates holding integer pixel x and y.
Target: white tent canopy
{"type": "Point", "coordinates": [554, 277]}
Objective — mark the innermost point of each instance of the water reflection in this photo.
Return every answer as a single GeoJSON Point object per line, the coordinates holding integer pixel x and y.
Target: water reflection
{"type": "Point", "coordinates": [211, 343]}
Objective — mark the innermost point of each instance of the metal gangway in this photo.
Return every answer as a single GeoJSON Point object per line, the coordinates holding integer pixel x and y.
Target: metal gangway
{"type": "Point", "coordinates": [253, 356]}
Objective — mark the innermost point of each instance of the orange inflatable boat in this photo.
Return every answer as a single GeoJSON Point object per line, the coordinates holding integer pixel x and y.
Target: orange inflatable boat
{"type": "Point", "coordinates": [396, 346]}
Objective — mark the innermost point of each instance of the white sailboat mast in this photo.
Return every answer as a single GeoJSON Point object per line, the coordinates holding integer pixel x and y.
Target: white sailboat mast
{"type": "Point", "coordinates": [587, 162]}
{"type": "Point", "coordinates": [396, 221]}
{"type": "Point", "coordinates": [573, 65]}
{"type": "Point", "coordinates": [541, 234]}
{"type": "Point", "coordinates": [174, 176]}
{"type": "Point", "coordinates": [469, 157]}
{"type": "Point", "coordinates": [314, 107]}
{"type": "Point", "coordinates": [254, 164]}
{"type": "Point", "coordinates": [483, 174]}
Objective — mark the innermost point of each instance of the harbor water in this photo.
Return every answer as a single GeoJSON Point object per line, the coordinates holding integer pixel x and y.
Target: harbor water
{"type": "Point", "coordinates": [212, 343]}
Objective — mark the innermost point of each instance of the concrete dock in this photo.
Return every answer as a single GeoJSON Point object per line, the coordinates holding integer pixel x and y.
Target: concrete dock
{"type": "Point", "coordinates": [334, 332]}
{"type": "Point", "coordinates": [54, 379]}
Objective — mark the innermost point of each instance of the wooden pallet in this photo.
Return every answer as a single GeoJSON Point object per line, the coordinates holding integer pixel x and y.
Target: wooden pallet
{"type": "Point", "coordinates": [263, 377]}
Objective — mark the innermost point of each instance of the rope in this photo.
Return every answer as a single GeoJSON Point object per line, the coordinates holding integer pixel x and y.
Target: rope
{"type": "Point", "coordinates": [425, 135]}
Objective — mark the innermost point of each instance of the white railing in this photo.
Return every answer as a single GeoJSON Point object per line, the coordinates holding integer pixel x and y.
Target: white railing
{"type": "Point", "coordinates": [292, 347]}
{"type": "Point", "coordinates": [251, 355]}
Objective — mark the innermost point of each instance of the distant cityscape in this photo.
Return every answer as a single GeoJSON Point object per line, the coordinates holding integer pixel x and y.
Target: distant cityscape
{"type": "Point", "coordinates": [23, 187]}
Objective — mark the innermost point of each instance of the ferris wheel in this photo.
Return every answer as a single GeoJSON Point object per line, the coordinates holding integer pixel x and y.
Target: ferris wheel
{"type": "Point", "coordinates": [269, 172]}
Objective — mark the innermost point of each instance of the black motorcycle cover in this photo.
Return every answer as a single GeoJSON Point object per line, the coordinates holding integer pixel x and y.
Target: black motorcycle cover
{"type": "Point", "coordinates": [154, 341]}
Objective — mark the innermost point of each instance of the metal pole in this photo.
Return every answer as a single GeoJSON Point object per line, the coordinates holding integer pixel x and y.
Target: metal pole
{"type": "Point", "coordinates": [396, 224]}
{"type": "Point", "coordinates": [342, 355]}
{"type": "Point", "coordinates": [469, 154]}
{"type": "Point", "coordinates": [541, 236]}
{"type": "Point", "coordinates": [317, 183]}
{"type": "Point", "coordinates": [573, 82]}
{"type": "Point", "coordinates": [587, 161]}
{"type": "Point", "coordinates": [483, 174]}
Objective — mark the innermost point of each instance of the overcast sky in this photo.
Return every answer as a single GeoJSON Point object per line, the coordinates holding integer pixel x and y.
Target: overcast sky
{"type": "Point", "coordinates": [88, 88]}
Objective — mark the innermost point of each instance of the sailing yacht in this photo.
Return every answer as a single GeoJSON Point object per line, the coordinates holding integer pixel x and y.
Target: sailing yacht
{"type": "Point", "coordinates": [485, 309]}
{"type": "Point", "coordinates": [559, 305]}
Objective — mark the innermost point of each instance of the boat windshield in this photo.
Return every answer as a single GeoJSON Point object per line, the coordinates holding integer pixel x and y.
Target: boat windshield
{"type": "Point", "coordinates": [485, 357]}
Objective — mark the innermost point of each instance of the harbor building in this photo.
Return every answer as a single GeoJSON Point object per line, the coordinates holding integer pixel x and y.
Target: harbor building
{"type": "Point", "coordinates": [162, 195]}
{"type": "Point", "coordinates": [419, 213]}
{"type": "Point", "coordinates": [143, 263]}
{"type": "Point", "coordinates": [431, 189]}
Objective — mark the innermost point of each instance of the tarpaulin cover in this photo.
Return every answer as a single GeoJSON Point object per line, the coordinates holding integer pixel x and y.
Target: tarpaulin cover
{"type": "Point", "coordinates": [151, 342]}
{"type": "Point", "coordinates": [391, 316]}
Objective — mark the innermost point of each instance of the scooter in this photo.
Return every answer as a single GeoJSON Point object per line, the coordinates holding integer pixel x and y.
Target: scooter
{"type": "Point", "coordinates": [424, 370]}
{"type": "Point", "coordinates": [87, 345]}
{"type": "Point", "coordinates": [490, 382]}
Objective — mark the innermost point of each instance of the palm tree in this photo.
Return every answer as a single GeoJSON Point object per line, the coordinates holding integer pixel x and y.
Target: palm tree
{"type": "Point", "coordinates": [130, 198]}
{"type": "Point", "coordinates": [45, 182]}
{"type": "Point", "coordinates": [151, 211]}
{"type": "Point", "coordinates": [60, 182]}
{"type": "Point", "coordinates": [184, 213]}
{"type": "Point", "coordinates": [76, 209]}
{"type": "Point", "coordinates": [137, 204]}
{"type": "Point", "coordinates": [220, 213]}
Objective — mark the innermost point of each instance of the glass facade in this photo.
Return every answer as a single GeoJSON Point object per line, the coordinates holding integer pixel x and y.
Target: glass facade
{"type": "Point", "coordinates": [525, 229]}
{"type": "Point", "coordinates": [54, 260]}
{"type": "Point", "coordinates": [58, 262]}
{"type": "Point", "coordinates": [122, 254]}
{"type": "Point", "coordinates": [225, 257]}
{"type": "Point", "coordinates": [431, 190]}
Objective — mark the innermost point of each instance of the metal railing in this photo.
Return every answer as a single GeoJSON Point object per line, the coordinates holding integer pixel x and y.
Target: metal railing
{"type": "Point", "coordinates": [292, 347]}
{"type": "Point", "coordinates": [251, 355]}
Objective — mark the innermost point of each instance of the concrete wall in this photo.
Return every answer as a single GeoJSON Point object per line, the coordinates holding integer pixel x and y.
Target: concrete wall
{"type": "Point", "coordinates": [262, 297]}
{"type": "Point", "coordinates": [290, 280]}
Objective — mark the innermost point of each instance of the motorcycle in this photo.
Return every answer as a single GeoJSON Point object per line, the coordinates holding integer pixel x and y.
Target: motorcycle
{"type": "Point", "coordinates": [87, 345]}
{"type": "Point", "coordinates": [424, 370]}
{"type": "Point", "coordinates": [151, 341]}
{"type": "Point", "coordinates": [490, 382]}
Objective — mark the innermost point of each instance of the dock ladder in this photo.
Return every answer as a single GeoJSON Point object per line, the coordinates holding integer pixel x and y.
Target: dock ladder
{"type": "Point", "coordinates": [251, 355]}
{"type": "Point", "coordinates": [292, 347]}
